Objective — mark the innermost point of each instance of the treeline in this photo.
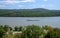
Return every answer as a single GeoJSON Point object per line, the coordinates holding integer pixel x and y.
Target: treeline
{"type": "Point", "coordinates": [39, 12]}
{"type": "Point", "coordinates": [30, 31]}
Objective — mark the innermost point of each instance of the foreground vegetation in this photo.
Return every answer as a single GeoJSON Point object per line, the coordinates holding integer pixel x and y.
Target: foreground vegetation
{"type": "Point", "coordinates": [30, 31]}
{"type": "Point", "coordinates": [38, 12]}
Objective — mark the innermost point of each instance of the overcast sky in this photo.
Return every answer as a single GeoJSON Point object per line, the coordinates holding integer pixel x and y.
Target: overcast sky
{"type": "Point", "coordinates": [29, 4]}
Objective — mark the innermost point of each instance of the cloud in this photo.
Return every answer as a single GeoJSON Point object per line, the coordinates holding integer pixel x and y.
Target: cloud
{"type": "Point", "coordinates": [11, 6]}
{"type": "Point", "coordinates": [2, 6]}
{"type": "Point", "coordinates": [42, 5]}
{"type": "Point", "coordinates": [20, 5]}
{"type": "Point", "coordinates": [28, 1]}
{"type": "Point", "coordinates": [15, 1]}
{"type": "Point", "coordinates": [8, 2]}
{"type": "Point", "coordinates": [11, 0]}
{"type": "Point", "coordinates": [45, 0]}
{"type": "Point", "coordinates": [51, 5]}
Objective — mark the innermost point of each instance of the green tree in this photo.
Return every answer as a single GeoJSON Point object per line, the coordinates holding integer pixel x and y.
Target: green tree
{"type": "Point", "coordinates": [6, 28]}
{"type": "Point", "coordinates": [17, 35]}
{"type": "Point", "coordinates": [46, 27]}
{"type": "Point", "coordinates": [55, 33]}
{"type": "Point", "coordinates": [33, 31]}
{"type": "Point", "coordinates": [1, 31]}
{"type": "Point", "coordinates": [10, 28]}
{"type": "Point", "coordinates": [16, 28]}
{"type": "Point", "coordinates": [20, 28]}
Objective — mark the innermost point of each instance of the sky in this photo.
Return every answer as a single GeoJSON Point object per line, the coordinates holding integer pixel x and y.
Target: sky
{"type": "Point", "coordinates": [30, 4]}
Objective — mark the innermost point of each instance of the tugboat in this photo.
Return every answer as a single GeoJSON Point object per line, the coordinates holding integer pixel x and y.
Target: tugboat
{"type": "Point", "coordinates": [32, 20]}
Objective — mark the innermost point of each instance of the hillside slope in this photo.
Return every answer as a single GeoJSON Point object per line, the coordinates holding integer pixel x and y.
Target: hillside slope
{"type": "Point", "coordinates": [37, 12]}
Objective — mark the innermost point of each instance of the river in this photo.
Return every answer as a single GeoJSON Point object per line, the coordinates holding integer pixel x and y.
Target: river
{"type": "Point", "coordinates": [22, 21]}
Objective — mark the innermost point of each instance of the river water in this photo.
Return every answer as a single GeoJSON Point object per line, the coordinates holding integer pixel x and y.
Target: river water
{"type": "Point", "coordinates": [22, 21]}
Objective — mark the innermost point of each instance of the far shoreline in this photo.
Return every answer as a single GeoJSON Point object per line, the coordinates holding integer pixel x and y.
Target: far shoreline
{"type": "Point", "coordinates": [29, 16]}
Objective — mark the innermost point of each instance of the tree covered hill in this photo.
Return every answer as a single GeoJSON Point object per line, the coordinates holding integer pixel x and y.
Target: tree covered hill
{"type": "Point", "coordinates": [37, 12]}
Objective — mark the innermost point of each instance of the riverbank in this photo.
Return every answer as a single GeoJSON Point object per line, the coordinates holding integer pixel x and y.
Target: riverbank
{"type": "Point", "coordinates": [29, 31]}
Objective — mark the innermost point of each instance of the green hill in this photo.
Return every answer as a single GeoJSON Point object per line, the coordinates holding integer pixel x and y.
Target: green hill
{"type": "Point", "coordinates": [37, 12]}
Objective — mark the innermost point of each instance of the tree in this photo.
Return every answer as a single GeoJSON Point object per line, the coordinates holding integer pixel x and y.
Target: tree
{"type": "Point", "coordinates": [6, 28]}
{"type": "Point", "coordinates": [17, 35]}
{"type": "Point", "coordinates": [46, 27]}
{"type": "Point", "coordinates": [55, 33]}
{"type": "Point", "coordinates": [20, 28]}
{"type": "Point", "coordinates": [10, 28]}
{"type": "Point", "coordinates": [16, 29]}
{"type": "Point", "coordinates": [33, 31]}
{"type": "Point", "coordinates": [1, 31]}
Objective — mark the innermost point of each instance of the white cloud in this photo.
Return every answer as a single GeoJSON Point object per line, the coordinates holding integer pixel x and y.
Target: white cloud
{"type": "Point", "coordinates": [8, 2]}
{"type": "Point", "coordinates": [17, 7]}
{"type": "Point", "coordinates": [20, 5]}
{"type": "Point", "coordinates": [42, 5]}
{"type": "Point", "coordinates": [2, 6]}
{"type": "Point", "coordinates": [15, 1]}
{"type": "Point", "coordinates": [28, 1]}
{"type": "Point", "coordinates": [51, 5]}
{"type": "Point", "coordinates": [48, 5]}
{"type": "Point", "coordinates": [11, 0]}
{"type": "Point", "coordinates": [45, 0]}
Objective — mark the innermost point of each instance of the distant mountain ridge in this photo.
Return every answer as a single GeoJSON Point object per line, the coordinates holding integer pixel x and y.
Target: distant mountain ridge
{"type": "Point", "coordinates": [37, 12]}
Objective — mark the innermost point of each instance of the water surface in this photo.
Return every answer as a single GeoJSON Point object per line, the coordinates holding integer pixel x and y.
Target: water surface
{"type": "Point", "coordinates": [21, 21]}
